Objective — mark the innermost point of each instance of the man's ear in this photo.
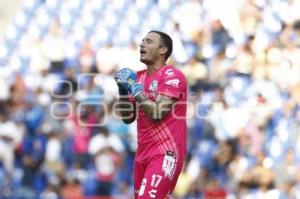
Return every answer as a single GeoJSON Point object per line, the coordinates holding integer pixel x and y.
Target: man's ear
{"type": "Point", "coordinates": [163, 50]}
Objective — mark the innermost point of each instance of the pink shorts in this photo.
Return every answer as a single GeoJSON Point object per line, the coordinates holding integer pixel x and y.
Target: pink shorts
{"type": "Point", "coordinates": [156, 177]}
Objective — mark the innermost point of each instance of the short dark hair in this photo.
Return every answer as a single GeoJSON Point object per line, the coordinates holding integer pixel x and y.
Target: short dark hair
{"type": "Point", "coordinates": [166, 41]}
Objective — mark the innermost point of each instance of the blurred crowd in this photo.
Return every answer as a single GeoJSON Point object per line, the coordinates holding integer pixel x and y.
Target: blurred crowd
{"type": "Point", "coordinates": [60, 132]}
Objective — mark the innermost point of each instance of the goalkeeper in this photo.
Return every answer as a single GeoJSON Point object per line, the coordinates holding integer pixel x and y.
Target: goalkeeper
{"type": "Point", "coordinates": [157, 98]}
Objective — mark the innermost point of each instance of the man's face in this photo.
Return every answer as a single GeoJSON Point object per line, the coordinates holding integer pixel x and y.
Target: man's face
{"type": "Point", "coordinates": [150, 48]}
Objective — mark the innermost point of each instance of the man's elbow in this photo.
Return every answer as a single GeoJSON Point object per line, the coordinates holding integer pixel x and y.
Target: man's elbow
{"type": "Point", "coordinates": [127, 117]}
{"type": "Point", "coordinates": [128, 121]}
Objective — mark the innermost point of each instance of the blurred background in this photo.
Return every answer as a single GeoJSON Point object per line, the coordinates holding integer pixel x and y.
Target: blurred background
{"type": "Point", "coordinates": [60, 135]}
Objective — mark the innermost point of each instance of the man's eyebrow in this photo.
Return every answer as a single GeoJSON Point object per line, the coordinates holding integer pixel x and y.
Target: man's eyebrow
{"type": "Point", "coordinates": [147, 39]}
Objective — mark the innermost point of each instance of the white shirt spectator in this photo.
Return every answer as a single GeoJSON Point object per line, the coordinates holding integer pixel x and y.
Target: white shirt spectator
{"type": "Point", "coordinates": [53, 150]}
{"type": "Point", "coordinates": [107, 58]}
{"type": "Point", "coordinates": [99, 142]}
{"type": "Point", "coordinates": [10, 131]}
{"type": "Point", "coordinates": [53, 45]}
{"type": "Point", "coordinates": [10, 136]}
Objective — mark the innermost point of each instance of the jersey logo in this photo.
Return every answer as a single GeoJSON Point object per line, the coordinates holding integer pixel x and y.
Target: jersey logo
{"type": "Point", "coordinates": [173, 82]}
{"type": "Point", "coordinates": [168, 165]}
{"type": "Point", "coordinates": [169, 72]}
{"type": "Point", "coordinates": [153, 86]}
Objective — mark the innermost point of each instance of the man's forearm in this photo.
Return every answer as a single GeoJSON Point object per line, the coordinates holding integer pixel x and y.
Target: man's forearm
{"type": "Point", "coordinates": [126, 109]}
{"type": "Point", "coordinates": [157, 109]}
{"type": "Point", "coordinates": [148, 106]}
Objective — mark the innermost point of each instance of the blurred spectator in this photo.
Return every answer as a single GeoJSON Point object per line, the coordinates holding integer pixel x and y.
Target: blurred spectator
{"type": "Point", "coordinates": [184, 183]}
{"type": "Point", "coordinates": [195, 72]}
{"type": "Point", "coordinates": [87, 57]}
{"type": "Point", "coordinates": [219, 67]}
{"type": "Point", "coordinates": [130, 56]}
{"type": "Point", "coordinates": [11, 136]}
{"type": "Point", "coordinates": [38, 61]}
{"type": "Point", "coordinates": [53, 151]}
{"type": "Point", "coordinates": [180, 53]}
{"type": "Point", "coordinates": [28, 188]}
{"type": "Point", "coordinates": [214, 190]}
{"type": "Point", "coordinates": [72, 188]}
{"type": "Point", "coordinates": [50, 193]}
{"type": "Point", "coordinates": [107, 151]}
{"type": "Point", "coordinates": [286, 171]}
{"type": "Point", "coordinates": [69, 85]}
{"type": "Point", "coordinates": [107, 58]}
{"type": "Point", "coordinates": [81, 138]}
{"type": "Point", "coordinates": [54, 48]}
{"type": "Point", "coordinates": [219, 36]}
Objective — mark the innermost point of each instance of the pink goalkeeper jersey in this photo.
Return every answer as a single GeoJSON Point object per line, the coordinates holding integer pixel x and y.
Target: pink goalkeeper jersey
{"type": "Point", "coordinates": [168, 134]}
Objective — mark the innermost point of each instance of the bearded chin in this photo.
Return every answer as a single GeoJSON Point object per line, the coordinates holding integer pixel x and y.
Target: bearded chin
{"type": "Point", "coordinates": [145, 61]}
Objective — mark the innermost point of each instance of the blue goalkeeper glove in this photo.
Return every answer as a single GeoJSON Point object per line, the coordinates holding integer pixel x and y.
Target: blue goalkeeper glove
{"type": "Point", "coordinates": [136, 89]}
{"type": "Point", "coordinates": [125, 78]}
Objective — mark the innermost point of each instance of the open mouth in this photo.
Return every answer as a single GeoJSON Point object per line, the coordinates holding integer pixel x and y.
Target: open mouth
{"type": "Point", "coordinates": [142, 52]}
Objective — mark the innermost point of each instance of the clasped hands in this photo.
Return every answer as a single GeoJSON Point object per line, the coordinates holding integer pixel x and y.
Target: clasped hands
{"type": "Point", "coordinates": [125, 79]}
